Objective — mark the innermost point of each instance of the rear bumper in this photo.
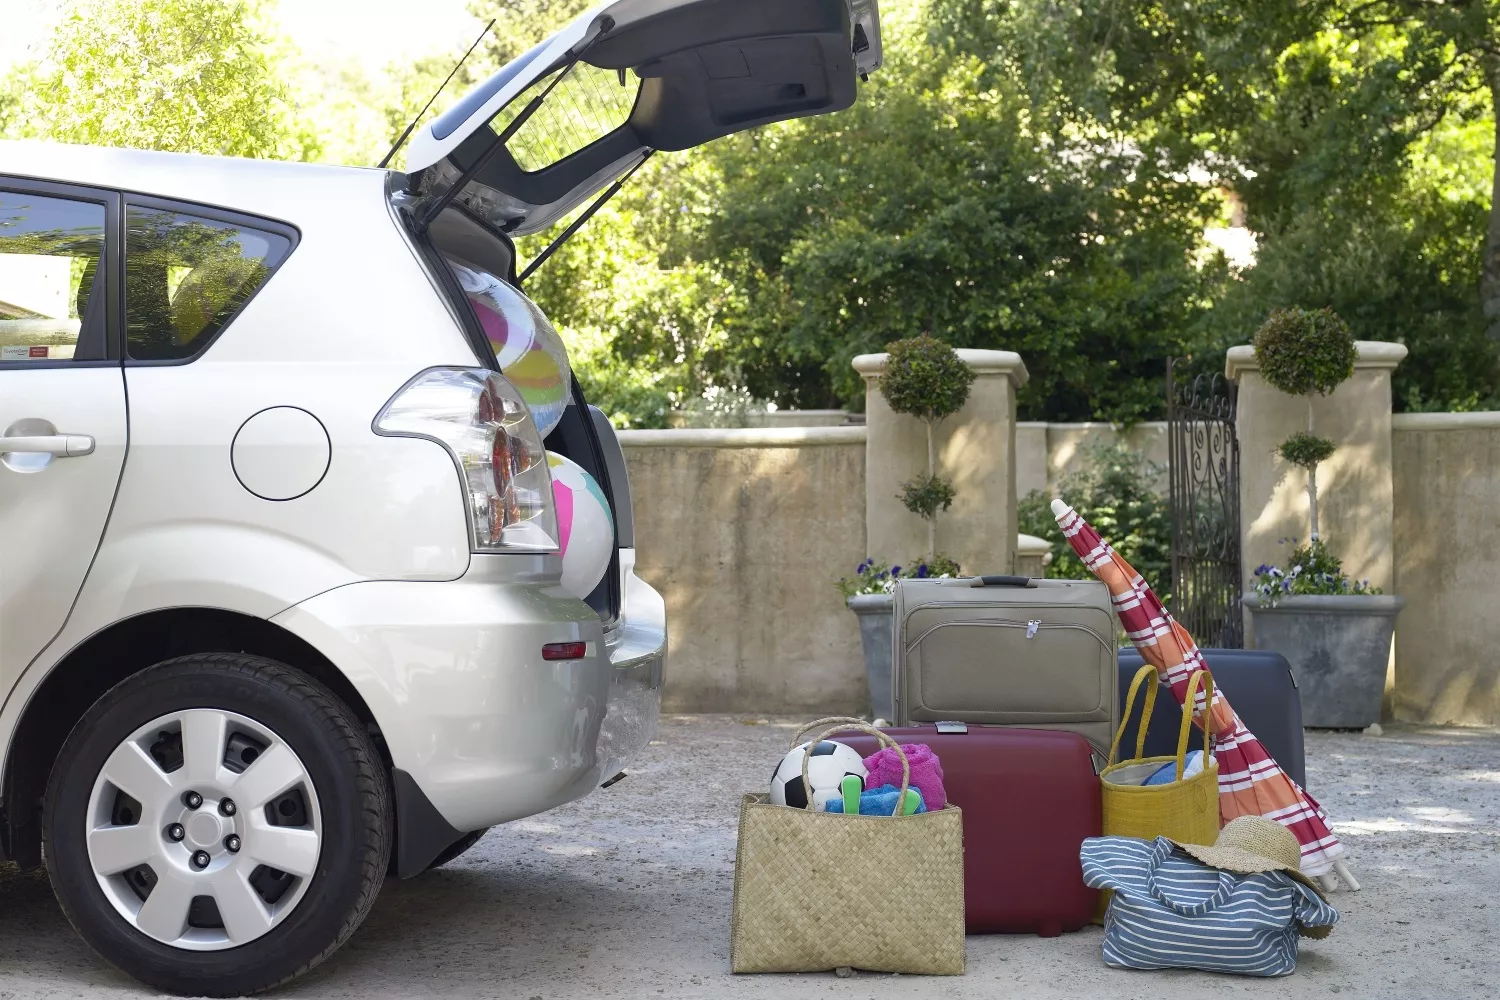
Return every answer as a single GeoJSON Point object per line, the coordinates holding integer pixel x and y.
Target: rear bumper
{"type": "Point", "coordinates": [637, 655]}
{"type": "Point", "coordinates": [484, 728]}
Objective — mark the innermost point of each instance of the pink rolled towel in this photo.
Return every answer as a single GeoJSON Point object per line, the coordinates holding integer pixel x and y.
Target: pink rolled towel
{"type": "Point", "coordinates": [884, 767]}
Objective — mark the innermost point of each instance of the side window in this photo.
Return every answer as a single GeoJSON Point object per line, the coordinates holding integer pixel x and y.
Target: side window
{"type": "Point", "coordinates": [51, 305]}
{"type": "Point", "coordinates": [186, 276]}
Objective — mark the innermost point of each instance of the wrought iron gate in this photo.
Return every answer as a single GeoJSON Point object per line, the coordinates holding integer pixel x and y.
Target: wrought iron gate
{"type": "Point", "coordinates": [1205, 495]}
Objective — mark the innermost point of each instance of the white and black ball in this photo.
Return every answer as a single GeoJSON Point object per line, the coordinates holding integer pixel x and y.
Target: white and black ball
{"type": "Point", "coordinates": [829, 764]}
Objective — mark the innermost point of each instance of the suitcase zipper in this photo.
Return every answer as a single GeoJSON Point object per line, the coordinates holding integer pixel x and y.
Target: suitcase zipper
{"type": "Point", "coordinates": [1031, 628]}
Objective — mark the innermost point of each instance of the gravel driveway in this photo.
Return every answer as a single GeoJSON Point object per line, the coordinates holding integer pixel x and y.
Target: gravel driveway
{"type": "Point", "coordinates": [627, 894]}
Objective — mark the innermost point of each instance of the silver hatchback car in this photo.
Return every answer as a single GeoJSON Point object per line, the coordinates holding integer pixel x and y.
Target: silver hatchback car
{"type": "Point", "coordinates": [297, 586]}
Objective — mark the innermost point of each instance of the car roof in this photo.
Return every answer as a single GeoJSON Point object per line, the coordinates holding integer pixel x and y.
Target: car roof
{"type": "Point", "coordinates": [275, 188]}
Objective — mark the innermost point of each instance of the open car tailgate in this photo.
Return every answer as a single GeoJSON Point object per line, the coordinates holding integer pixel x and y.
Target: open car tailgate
{"type": "Point", "coordinates": [638, 76]}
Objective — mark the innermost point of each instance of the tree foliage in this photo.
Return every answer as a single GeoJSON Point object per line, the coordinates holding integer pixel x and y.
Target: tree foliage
{"type": "Point", "coordinates": [940, 202]}
{"type": "Point", "coordinates": [1358, 134]}
{"type": "Point", "coordinates": [1021, 174]}
{"type": "Point", "coordinates": [1115, 491]}
{"type": "Point", "coordinates": [1305, 351]}
{"type": "Point", "coordinates": [925, 495]}
{"type": "Point", "coordinates": [925, 378]}
{"type": "Point", "coordinates": [202, 76]}
{"type": "Point", "coordinates": [1306, 450]}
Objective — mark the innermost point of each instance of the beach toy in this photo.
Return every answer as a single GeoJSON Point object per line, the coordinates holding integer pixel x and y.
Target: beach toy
{"type": "Point", "coordinates": [527, 348]}
{"type": "Point", "coordinates": [878, 802]}
{"type": "Point", "coordinates": [585, 525]}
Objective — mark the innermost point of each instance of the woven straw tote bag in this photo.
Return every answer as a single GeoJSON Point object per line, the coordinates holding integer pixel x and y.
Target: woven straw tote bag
{"type": "Point", "coordinates": [816, 891]}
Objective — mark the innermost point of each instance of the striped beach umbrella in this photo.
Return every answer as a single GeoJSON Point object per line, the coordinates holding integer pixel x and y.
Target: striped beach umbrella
{"type": "Point", "coordinates": [1251, 783]}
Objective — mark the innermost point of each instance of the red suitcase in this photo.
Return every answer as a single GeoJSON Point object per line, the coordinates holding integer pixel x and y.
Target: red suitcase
{"type": "Point", "coordinates": [1029, 798]}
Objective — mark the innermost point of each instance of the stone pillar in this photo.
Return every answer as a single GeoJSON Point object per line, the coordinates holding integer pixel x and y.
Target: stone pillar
{"type": "Point", "coordinates": [1356, 507]}
{"type": "Point", "coordinates": [1033, 556]}
{"type": "Point", "coordinates": [976, 449]}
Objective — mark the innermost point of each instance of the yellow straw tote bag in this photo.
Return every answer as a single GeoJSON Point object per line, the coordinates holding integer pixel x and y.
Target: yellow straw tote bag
{"type": "Point", "coordinates": [1186, 811]}
{"type": "Point", "coordinates": [816, 891]}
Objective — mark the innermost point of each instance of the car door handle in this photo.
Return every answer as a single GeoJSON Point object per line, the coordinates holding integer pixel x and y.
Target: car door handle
{"type": "Point", "coordinates": [58, 445]}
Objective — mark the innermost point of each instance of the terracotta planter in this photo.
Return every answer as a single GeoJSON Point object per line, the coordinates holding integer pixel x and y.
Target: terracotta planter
{"type": "Point", "coordinates": [1339, 648]}
{"type": "Point", "coordinates": [875, 630]}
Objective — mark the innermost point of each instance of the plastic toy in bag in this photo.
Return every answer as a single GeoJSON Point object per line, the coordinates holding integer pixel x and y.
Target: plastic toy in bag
{"type": "Point", "coordinates": [585, 525]}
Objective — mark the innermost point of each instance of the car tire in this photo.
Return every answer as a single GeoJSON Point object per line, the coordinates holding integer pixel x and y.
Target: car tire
{"type": "Point", "coordinates": [341, 839]}
{"type": "Point", "coordinates": [458, 848]}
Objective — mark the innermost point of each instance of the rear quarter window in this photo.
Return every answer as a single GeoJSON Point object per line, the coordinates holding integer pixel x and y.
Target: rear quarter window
{"type": "Point", "coordinates": [187, 275]}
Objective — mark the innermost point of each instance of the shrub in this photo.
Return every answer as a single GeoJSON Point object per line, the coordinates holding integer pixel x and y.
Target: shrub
{"type": "Point", "coordinates": [926, 379]}
{"type": "Point", "coordinates": [1301, 352]}
{"type": "Point", "coordinates": [1306, 450]}
{"type": "Point", "coordinates": [1304, 351]}
{"type": "Point", "coordinates": [1116, 493]}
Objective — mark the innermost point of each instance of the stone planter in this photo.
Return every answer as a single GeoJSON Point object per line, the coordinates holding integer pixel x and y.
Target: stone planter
{"type": "Point", "coordinates": [875, 627]}
{"type": "Point", "coordinates": [1339, 649]}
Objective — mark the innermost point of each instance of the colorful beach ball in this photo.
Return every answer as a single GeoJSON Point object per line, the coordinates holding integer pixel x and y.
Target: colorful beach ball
{"type": "Point", "coordinates": [586, 526]}
{"type": "Point", "coordinates": [530, 352]}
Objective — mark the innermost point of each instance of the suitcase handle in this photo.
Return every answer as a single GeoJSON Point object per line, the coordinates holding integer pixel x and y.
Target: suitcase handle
{"type": "Point", "coordinates": [1002, 581]}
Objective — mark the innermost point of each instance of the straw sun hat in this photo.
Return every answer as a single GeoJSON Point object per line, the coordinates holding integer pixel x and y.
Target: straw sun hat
{"type": "Point", "coordinates": [1252, 844]}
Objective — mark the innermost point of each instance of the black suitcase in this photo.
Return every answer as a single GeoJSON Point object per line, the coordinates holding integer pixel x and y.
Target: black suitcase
{"type": "Point", "coordinates": [1257, 682]}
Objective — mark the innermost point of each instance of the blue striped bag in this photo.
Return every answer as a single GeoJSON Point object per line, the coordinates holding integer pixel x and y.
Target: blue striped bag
{"type": "Point", "coordinates": [1172, 911]}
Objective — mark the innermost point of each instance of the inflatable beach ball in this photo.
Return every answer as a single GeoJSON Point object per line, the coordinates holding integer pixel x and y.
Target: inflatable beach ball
{"type": "Point", "coordinates": [584, 523]}
{"type": "Point", "coordinates": [530, 352]}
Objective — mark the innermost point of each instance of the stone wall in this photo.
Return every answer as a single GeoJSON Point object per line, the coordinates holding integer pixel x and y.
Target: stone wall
{"type": "Point", "coordinates": [744, 531]}
{"type": "Point", "coordinates": [761, 418]}
{"type": "Point", "coordinates": [1446, 473]}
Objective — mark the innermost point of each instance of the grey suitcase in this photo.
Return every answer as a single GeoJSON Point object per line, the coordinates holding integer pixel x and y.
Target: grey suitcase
{"type": "Point", "coordinates": [1007, 651]}
{"type": "Point", "coordinates": [1260, 686]}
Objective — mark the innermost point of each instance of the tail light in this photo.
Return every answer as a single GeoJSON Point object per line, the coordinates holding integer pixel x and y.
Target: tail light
{"type": "Point", "coordinates": [483, 422]}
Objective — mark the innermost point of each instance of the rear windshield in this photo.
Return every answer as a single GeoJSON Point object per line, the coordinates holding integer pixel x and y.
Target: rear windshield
{"type": "Point", "coordinates": [585, 106]}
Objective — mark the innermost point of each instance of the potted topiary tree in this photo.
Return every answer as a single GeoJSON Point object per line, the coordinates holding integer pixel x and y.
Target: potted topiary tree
{"type": "Point", "coordinates": [1336, 632]}
{"type": "Point", "coordinates": [924, 378]}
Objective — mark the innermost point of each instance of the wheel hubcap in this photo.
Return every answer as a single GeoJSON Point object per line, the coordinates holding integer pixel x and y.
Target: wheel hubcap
{"type": "Point", "coordinates": [204, 829]}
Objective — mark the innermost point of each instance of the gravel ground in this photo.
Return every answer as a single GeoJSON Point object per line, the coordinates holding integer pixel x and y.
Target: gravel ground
{"type": "Point", "coordinates": [627, 893]}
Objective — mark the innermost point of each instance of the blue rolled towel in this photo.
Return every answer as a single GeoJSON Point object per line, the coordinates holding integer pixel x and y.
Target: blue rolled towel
{"type": "Point", "coordinates": [1167, 773]}
{"type": "Point", "coordinates": [878, 801]}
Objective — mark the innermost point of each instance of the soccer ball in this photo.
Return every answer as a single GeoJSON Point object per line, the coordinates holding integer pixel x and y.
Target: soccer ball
{"type": "Point", "coordinates": [830, 763]}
